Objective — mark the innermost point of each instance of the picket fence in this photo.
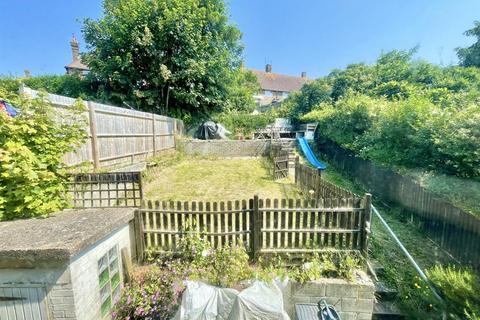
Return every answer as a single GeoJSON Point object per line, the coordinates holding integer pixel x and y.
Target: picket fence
{"type": "Point", "coordinates": [263, 226]}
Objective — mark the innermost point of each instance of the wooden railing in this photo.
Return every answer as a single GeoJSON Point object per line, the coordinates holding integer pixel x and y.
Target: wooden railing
{"type": "Point", "coordinates": [263, 226]}
{"type": "Point", "coordinates": [309, 180]}
{"type": "Point", "coordinates": [100, 190]}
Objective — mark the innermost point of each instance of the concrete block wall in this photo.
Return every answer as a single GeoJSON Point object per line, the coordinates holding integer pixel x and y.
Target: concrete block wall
{"type": "Point", "coordinates": [61, 301]}
{"type": "Point", "coordinates": [353, 300]}
{"type": "Point", "coordinates": [225, 148]}
{"type": "Point", "coordinates": [85, 277]}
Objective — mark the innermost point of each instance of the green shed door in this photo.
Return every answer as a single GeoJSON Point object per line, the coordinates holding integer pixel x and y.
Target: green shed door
{"type": "Point", "coordinates": [23, 303]}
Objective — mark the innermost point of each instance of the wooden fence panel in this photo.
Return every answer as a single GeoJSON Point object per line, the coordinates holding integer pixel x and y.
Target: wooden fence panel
{"type": "Point", "coordinates": [118, 135]}
{"type": "Point", "coordinates": [165, 223]}
{"type": "Point", "coordinates": [263, 226]}
{"type": "Point", "coordinates": [455, 230]}
{"type": "Point", "coordinates": [309, 180]}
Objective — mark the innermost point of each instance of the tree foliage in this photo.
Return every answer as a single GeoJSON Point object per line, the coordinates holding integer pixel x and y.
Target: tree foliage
{"type": "Point", "coordinates": [160, 55]}
{"type": "Point", "coordinates": [399, 111]}
{"type": "Point", "coordinates": [32, 174]}
{"type": "Point", "coordinates": [66, 85]}
{"type": "Point", "coordinates": [470, 56]}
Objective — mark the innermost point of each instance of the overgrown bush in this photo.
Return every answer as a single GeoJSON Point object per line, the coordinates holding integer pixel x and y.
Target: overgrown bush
{"type": "Point", "coordinates": [66, 85]}
{"type": "Point", "coordinates": [224, 267]}
{"type": "Point", "coordinates": [32, 144]}
{"type": "Point", "coordinates": [244, 124]}
{"type": "Point", "coordinates": [460, 289]}
{"type": "Point", "coordinates": [154, 293]}
{"type": "Point", "coordinates": [399, 112]}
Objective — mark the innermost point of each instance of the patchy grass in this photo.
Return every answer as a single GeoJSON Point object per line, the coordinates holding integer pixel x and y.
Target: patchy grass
{"type": "Point", "coordinates": [186, 178]}
{"type": "Point", "coordinates": [414, 297]}
{"type": "Point", "coordinates": [462, 192]}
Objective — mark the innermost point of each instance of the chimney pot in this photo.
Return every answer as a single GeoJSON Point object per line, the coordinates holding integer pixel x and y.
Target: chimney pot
{"type": "Point", "coordinates": [304, 74]}
{"type": "Point", "coordinates": [268, 68]}
{"type": "Point", "coordinates": [75, 49]}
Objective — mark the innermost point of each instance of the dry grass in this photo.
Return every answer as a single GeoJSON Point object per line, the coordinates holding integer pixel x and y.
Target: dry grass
{"type": "Point", "coordinates": [183, 178]}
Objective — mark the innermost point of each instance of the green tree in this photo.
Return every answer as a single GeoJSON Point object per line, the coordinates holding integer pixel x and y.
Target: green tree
{"type": "Point", "coordinates": [470, 56]}
{"type": "Point", "coordinates": [163, 54]}
{"type": "Point", "coordinates": [244, 85]}
{"type": "Point", "coordinates": [32, 172]}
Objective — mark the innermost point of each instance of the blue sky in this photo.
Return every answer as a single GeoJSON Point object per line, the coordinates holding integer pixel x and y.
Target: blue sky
{"type": "Point", "coordinates": [315, 36]}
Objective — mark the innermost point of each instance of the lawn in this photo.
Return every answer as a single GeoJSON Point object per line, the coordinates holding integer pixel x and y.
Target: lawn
{"type": "Point", "coordinates": [186, 178]}
{"type": "Point", "coordinates": [462, 192]}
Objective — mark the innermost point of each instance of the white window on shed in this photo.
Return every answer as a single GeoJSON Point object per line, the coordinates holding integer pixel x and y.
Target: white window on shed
{"type": "Point", "coordinates": [109, 279]}
{"type": "Point", "coordinates": [268, 93]}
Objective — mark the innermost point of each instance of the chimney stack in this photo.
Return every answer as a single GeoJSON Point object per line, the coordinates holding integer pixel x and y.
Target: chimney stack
{"type": "Point", "coordinates": [268, 68]}
{"type": "Point", "coordinates": [75, 49]}
{"type": "Point", "coordinates": [304, 74]}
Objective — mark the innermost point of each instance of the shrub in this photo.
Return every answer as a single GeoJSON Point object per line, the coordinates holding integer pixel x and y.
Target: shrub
{"type": "Point", "coordinates": [460, 289]}
{"type": "Point", "coordinates": [31, 148]}
{"type": "Point", "coordinates": [225, 266]}
{"type": "Point", "coordinates": [399, 112]}
{"type": "Point", "coordinates": [244, 123]}
{"type": "Point", "coordinates": [154, 293]}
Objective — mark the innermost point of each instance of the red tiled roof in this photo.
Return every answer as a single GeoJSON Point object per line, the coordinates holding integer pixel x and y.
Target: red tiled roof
{"type": "Point", "coordinates": [279, 82]}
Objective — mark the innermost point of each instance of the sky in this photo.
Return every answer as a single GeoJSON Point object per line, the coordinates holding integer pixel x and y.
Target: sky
{"type": "Point", "coordinates": [315, 36]}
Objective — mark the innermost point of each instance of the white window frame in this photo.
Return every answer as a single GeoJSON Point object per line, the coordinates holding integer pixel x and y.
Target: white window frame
{"type": "Point", "coordinates": [110, 283]}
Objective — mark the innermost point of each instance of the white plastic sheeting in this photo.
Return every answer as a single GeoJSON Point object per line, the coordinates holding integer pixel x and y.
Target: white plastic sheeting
{"type": "Point", "coordinates": [260, 301]}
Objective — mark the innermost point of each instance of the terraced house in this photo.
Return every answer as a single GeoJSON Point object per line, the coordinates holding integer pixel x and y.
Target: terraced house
{"type": "Point", "coordinates": [275, 87]}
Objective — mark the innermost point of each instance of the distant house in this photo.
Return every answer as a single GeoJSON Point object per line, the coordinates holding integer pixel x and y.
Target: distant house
{"type": "Point", "coordinates": [76, 66]}
{"type": "Point", "coordinates": [276, 87]}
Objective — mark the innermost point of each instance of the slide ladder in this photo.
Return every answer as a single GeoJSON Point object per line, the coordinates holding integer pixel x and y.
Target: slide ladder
{"type": "Point", "coordinates": [307, 151]}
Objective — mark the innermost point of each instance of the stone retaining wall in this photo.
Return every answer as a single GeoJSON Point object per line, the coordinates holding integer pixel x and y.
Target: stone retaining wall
{"type": "Point", "coordinates": [353, 300]}
{"type": "Point", "coordinates": [225, 148]}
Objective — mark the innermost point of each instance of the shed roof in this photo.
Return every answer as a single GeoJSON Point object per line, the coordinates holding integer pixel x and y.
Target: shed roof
{"type": "Point", "coordinates": [56, 239]}
{"type": "Point", "coordinates": [279, 82]}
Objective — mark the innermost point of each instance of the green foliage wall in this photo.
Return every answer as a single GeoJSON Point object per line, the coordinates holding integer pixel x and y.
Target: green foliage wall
{"type": "Point", "coordinates": [32, 174]}
{"type": "Point", "coordinates": [399, 112]}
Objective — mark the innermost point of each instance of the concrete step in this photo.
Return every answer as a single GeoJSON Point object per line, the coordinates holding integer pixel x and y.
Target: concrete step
{"type": "Point", "coordinates": [386, 310]}
{"type": "Point", "coordinates": [384, 292]}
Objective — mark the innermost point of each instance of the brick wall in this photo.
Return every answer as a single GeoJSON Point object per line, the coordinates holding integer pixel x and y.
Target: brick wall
{"type": "Point", "coordinates": [225, 148]}
{"type": "Point", "coordinates": [353, 300]}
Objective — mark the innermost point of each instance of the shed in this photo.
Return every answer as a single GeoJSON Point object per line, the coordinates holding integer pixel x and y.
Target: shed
{"type": "Point", "coordinates": [66, 266]}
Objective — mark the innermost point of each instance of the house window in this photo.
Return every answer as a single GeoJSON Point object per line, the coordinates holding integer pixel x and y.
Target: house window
{"type": "Point", "coordinates": [109, 280]}
{"type": "Point", "coordinates": [268, 93]}
{"type": "Point", "coordinates": [285, 94]}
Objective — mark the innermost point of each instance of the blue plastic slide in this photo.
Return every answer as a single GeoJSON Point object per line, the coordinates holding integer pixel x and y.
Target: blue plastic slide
{"type": "Point", "coordinates": [309, 154]}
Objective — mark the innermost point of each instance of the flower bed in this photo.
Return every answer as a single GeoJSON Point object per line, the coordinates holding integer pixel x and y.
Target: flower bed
{"type": "Point", "coordinates": [156, 289]}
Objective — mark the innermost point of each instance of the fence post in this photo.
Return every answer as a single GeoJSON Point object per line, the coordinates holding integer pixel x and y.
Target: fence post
{"type": "Point", "coordinates": [93, 133]}
{"type": "Point", "coordinates": [255, 226]}
{"type": "Point", "coordinates": [154, 135]}
{"type": "Point", "coordinates": [297, 162]}
{"type": "Point", "coordinates": [366, 221]}
{"type": "Point", "coordinates": [139, 236]}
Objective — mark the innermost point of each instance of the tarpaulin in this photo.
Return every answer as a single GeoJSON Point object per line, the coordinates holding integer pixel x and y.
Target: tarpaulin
{"type": "Point", "coordinates": [9, 109]}
{"type": "Point", "coordinates": [260, 301]}
{"type": "Point", "coordinates": [209, 130]}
